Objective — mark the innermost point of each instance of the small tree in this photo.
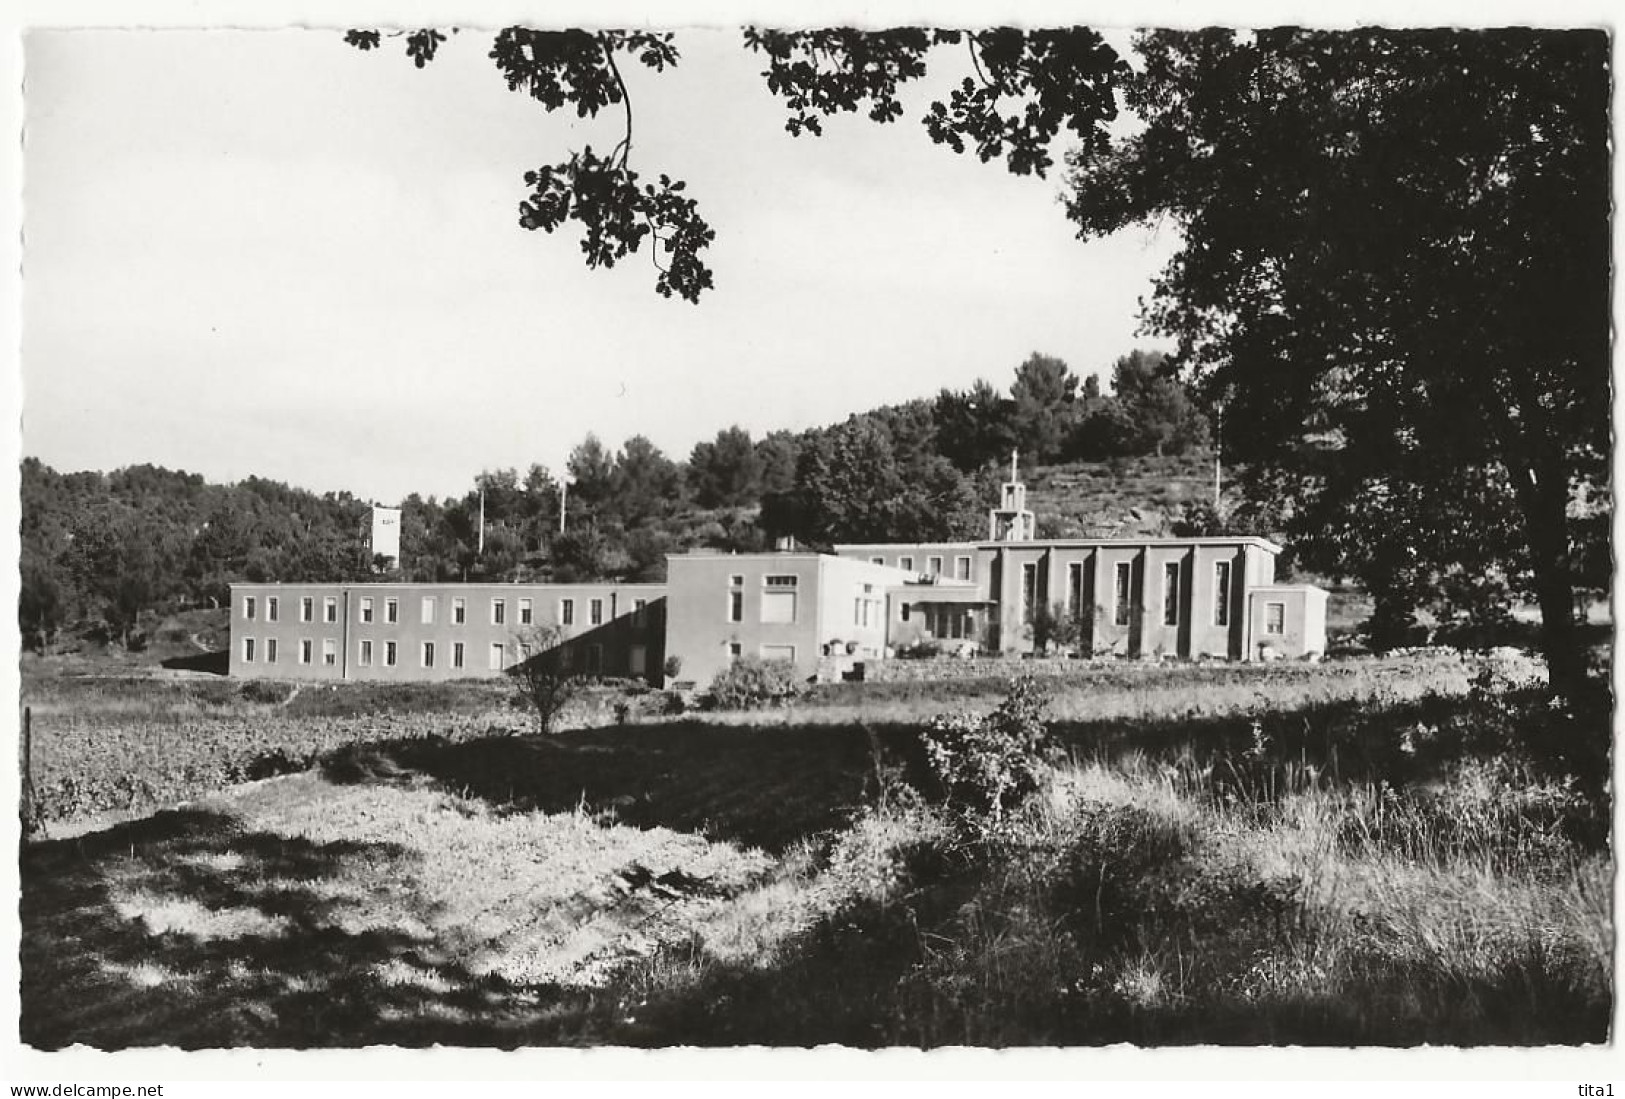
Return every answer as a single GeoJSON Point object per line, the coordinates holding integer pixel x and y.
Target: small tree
{"type": "Point", "coordinates": [545, 685]}
{"type": "Point", "coordinates": [1054, 625]}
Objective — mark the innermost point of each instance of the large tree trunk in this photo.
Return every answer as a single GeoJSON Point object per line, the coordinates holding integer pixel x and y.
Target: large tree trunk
{"type": "Point", "coordinates": [1545, 509]}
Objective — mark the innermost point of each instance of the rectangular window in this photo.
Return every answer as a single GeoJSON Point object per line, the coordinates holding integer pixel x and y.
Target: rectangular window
{"type": "Point", "coordinates": [495, 659]}
{"type": "Point", "coordinates": [307, 609]}
{"type": "Point", "coordinates": [567, 612]}
{"type": "Point", "coordinates": [736, 606]}
{"type": "Point", "coordinates": [389, 653]}
{"type": "Point", "coordinates": [933, 565]}
{"type": "Point", "coordinates": [779, 581]}
{"type": "Point", "coordinates": [525, 612]}
{"type": "Point", "coordinates": [595, 659]}
{"type": "Point", "coordinates": [902, 612]}
{"type": "Point", "coordinates": [778, 652]}
{"type": "Point", "coordinates": [248, 650]}
{"type": "Point", "coordinates": [1120, 592]}
{"type": "Point", "coordinates": [1170, 593]}
{"type": "Point", "coordinates": [1074, 590]}
{"type": "Point", "coordinates": [640, 613]}
{"type": "Point", "coordinates": [366, 609]}
{"type": "Point", "coordinates": [778, 606]}
{"type": "Point", "coordinates": [1275, 618]}
{"type": "Point", "coordinates": [595, 612]}
{"type": "Point", "coordinates": [637, 660]}
{"type": "Point", "coordinates": [392, 610]}
{"type": "Point", "coordinates": [736, 581]}
{"type": "Point", "coordinates": [456, 654]}
{"type": "Point", "coordinates": [330, 651]}
{"type": "Point", "coordinates": [1029, 592]}
{"type": "Point", "coordinates": [906, 564]}
{"type": "Point", "coordinates": [877, 560]}
{"type": "Point", "coordinates": [364, 654]}
{"type": "Point", "coordinates": [1221, 593]}
{"type": "Point", "coordinates": [248, 607]}
{"type": "Point", "coordinates": [330, 609]}
{"type": "Point", "coordinates": [271, 608]}
{"type": "Point", "coordinates": [459, 611]}
{"type": "Point", "coordinates": [304, 650]}
{"type": "Point", "coordinates": [270, 650]}
{"type": "Point", "coordinates": [428, 654]}
{"type": "Point", "coordinates": [735, 650]}
{"type": "Point", "coordinates": [499, 612]}
{"type": "Point", "coordinates": [962, 567]}
{"type": "Point", "coordinates": [426, 609]}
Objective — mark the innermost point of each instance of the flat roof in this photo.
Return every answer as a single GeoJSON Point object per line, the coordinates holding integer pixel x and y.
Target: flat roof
{"type": "Point", "coordinates": [938, 593]}
{"type": "Point", "coordinates": [1042, 543]}
{"type": "Point", "coordinates": [444, 584]}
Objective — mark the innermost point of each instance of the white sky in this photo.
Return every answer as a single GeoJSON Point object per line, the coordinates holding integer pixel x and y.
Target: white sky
{"type": "Point", "coordinates": [269, 253]}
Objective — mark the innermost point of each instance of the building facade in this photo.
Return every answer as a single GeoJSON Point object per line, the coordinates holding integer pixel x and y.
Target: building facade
{"type": "Point", "coordinates": [427, 632]}
{"type": "Point", "coordinates": [826, 614]}
{"type": "Point", "coordinates": [821, 613]}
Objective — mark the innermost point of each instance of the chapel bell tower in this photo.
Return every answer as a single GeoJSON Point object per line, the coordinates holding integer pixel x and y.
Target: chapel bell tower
{"type": "Point", "coordinates": [1011, 521]}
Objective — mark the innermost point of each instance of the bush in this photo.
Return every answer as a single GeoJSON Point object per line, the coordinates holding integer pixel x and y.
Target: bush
{"type": "Point", "coordinates": [750, 683]}
{"type": "Point", "coordinates": [266, 691]}
{"type": "Point", "coordinates": [988, 765]}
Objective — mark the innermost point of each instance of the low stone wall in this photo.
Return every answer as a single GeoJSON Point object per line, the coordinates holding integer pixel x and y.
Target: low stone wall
{"type": "Point", "coordinates": [993, 667]}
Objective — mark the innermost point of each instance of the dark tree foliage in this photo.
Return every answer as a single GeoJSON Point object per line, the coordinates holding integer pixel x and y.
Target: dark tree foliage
{"type": "Point", "coordinates": [854, 483]}
{"type": "Point", "coordinates": [1395, 266]}
{"type": "Point", "coordinates": [1043, 408]}
{"type": "Point", "coordinates": [976, 426]}
{"type": "Point", "coordinates": [1060, 78]}
{"type": "Point", "coordinates": [101, 551]}
{"type": "Point", "coordinates": [1152, 412]}
{"type": "Point", "coordinates": [726, 472]}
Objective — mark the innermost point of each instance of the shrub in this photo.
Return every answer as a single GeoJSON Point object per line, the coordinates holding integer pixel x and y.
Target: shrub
{"type": "Point", "coordinates": [266, 691]}
{"type": "Point", "coordinates": [750, 683]}
{"type": "Point", "coordinates": [988, 765]}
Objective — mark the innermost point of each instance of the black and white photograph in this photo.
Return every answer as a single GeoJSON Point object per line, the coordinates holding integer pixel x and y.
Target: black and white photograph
{"type": "Point", "coordinates": [634, 531]}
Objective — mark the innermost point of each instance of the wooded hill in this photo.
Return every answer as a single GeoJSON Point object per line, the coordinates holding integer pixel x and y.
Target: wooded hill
{"type": "Point", "coordinates": [106, 554]}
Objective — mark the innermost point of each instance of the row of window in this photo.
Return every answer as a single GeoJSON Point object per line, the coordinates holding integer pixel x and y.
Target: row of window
{"type": "Point", "coordinates": [387, 654]}
{"type": "Point", "coordinates": [933, 565]}
{"type": "Point", "coordinates": [428, 608]}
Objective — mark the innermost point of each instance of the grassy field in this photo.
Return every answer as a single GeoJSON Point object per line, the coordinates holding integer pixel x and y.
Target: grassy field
{"type": "Point", "coordinates": [1399, 851]}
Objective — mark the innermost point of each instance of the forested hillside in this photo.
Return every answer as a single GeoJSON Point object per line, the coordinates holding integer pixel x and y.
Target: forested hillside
{"type": "Point", "coordinates": [103, 554]}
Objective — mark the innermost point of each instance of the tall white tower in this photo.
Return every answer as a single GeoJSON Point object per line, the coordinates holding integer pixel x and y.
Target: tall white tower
{"type": "Point", "coordinates": [386, 534]}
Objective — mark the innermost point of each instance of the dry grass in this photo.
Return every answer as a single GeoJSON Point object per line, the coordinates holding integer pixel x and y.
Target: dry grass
{"type": "Point", "coordinates": [1335, 858]}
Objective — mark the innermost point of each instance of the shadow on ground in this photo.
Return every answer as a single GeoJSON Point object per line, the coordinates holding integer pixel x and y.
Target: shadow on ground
{"type": "Point", "coordinates": [215, 663]}
{"type": "Point", "coordinates": [764, 788]}
{"type": "Point", "coordinates": [185, 930]}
